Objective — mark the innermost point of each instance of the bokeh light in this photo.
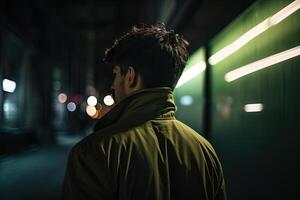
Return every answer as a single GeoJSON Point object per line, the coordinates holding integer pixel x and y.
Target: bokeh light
{"type": "Point", "coordinates": [76, 99]}
{"type": "Point", "coordinates": [8, 85]}
{"type": "Point", "coordinates": [186, 100]}
{"type": "Point", "coordinates": [96, 115]}
{"type": "Point", "coordinates": [108, 100]}
{"type": "Point", "coordinates": [62, 98]}
{"type": "Point", "coordinates": [71, 106]}
{"type": "Point", "coordinates": [255, 107]}
{"type": "Point", "coordinates": [92, 101]}
{"type": "Point", "coordinates": [91, 110]}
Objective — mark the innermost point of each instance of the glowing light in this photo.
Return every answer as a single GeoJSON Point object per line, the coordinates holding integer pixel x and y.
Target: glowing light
{"type": "Point", "coordinates": [254, 32]}
{"type": "Point", "coordinates": [8, 85]}
{"type": "Point", "coordinates": [186, 100]}
{"type": "Point", "coordinates": [256, 107]}
{"type": "Point", "coordinates": [92, 101]}
{"type": "Point", "coordinates": [62, 98]}
{"type": "Point", "coordinates": [263, 63]}
{"type": "Point", "coordinates": [71, 106]}
{"type": "Point", "coordinates": [191, 73]}
{"type": "Point", "coordinates": [10, 110]}
{"type": "Point", "coordinates": [9, 107]}
{"type": "Point", "coordinates": [76, 99]}
{"type": "Point", "coordinates": [97, 115]}
{"type": "Point", "coordinates": [237, 44]}
{"type": "Point", "coordinates": [91, 110]}
{"type": "Point", "coordinates": [285, 12]}
{"type": "Point", "coordinates": [108, 100]}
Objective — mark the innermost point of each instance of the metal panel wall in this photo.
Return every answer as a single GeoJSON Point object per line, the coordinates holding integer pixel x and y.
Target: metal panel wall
{"type": "Point", "coordinates": [189, 97]}
{"type": "Point", "coordinates": [260, 151]}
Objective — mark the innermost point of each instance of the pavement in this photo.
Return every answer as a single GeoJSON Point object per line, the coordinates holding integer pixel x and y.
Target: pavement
{"type": "Point", "coordinates": [36, 173]}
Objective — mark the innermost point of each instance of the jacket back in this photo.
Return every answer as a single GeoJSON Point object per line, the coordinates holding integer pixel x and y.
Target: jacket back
{"type": "Point", "coordinates": [161, 159]}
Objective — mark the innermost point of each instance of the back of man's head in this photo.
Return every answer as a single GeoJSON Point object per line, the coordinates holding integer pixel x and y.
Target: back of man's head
{"type": "Point", "coordinates": [157, 54]}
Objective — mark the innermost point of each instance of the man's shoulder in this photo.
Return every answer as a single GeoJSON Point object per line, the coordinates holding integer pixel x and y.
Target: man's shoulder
{"type": "Point", "coordinates": [192, 134]}
{"type": "Point", "coordinates": [88, 143]}
{"type": "Point", "coordinates": [98, 139]}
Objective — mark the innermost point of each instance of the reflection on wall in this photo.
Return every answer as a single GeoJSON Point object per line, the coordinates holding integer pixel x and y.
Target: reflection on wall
{"type": "Point", "coordinates": [255, 90]}
{"type": "Point", "coordinates": [13, 59]}
{"type": "Point", "coordinates": [190, 90]}
{"type": "Point", "coordinates": [9, 111]}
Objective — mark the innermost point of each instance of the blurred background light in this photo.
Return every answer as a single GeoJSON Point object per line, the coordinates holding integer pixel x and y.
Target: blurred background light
{"type": "Point", "coordinates": [108, 100]}
{"type": "Point", "coordinates": [285, 12]}
{"type": "Point", "coordinates": [91, 110]}
{"type": "Point", "coordinates": [92, 101]}
{"type": "Point", "coordinates": [254, 32]}
{"type": "Point", "coordinates": [96, 115]}
{"type": "Point", "coordinates": [62, 98]}
{"type": "Point", "coordinates": [71, 106]}
{"type": "Point", "coordinates": [186, 100]}
{"type": "Point", "coordinates": [263, 63]}
{"type": "Point", "coordinates": [257, 107]}
{"type": "Point", "coordinates": [9, 110]}
{"type": "Point", "coordinates": [76, 99]}
{"type": "Point", "coordinates": [191, 73]}
{"type": "Point", "coordinates": [8, 85]}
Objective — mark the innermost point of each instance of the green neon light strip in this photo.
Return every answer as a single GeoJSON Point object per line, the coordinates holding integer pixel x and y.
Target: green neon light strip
{"type": "Point", "coordinates": [261, 64]}
{"type": "Point", "coordinates": [191, 73]}
{"type": "Point", "coordinates": [254, 32]}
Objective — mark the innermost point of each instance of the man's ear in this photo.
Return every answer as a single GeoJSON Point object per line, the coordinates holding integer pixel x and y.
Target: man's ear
{"type": "Point", "coordinates": [131, 77]}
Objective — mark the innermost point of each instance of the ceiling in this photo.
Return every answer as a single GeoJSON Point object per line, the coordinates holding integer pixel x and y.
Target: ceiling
{"type": "Point", "coordinates": [81, 30]}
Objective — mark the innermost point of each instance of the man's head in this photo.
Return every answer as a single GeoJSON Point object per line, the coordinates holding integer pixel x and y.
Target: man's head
{"type": "Point", "coordinates": [146, 57]}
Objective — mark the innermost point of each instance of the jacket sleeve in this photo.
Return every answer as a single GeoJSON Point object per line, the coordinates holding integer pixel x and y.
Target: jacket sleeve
{"type": "Point", "coordinates": [87, 176]}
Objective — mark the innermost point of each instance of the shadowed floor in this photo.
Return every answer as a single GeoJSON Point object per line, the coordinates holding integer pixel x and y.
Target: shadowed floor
{"type": "Point", "coordinates": [35, 174]}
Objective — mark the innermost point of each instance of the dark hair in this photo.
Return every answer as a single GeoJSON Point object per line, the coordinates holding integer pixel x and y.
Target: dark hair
{"type": "Point", "coordinates": [157, 54]}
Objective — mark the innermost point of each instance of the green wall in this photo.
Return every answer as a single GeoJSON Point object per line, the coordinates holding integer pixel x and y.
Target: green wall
{"type": "Point", "coordinates": [260, 151]}
{"type": "Point", "coordinates": [192, 114]}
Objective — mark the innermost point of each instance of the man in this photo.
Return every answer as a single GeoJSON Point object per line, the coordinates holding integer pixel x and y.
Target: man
{"type": "Point", "coordinates": [139, 150]}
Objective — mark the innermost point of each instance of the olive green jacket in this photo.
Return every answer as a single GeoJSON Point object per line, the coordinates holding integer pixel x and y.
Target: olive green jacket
{"type": "Point", "coordinates": [140, 151]}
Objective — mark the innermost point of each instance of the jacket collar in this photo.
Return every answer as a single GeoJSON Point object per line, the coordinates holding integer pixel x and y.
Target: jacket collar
{"type": "Point", "coordinates": [138, 108]}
